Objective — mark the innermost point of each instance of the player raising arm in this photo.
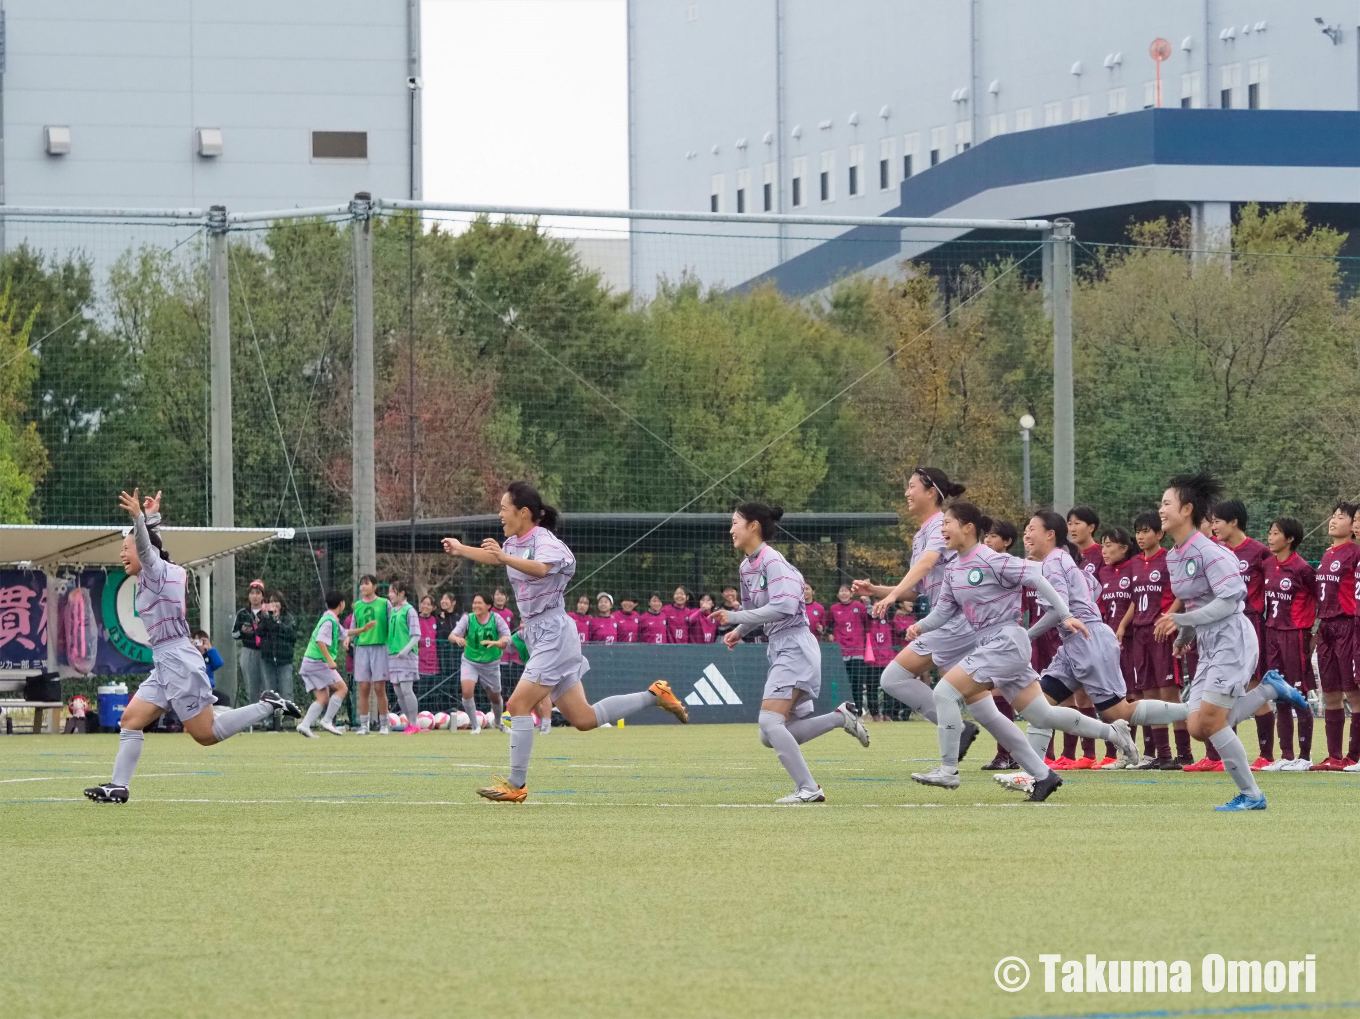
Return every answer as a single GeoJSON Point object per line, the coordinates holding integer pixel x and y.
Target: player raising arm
{"type": "Point", "coordinates": [178, 678]}
{"type": "Point", "coordinates": [540, 565]}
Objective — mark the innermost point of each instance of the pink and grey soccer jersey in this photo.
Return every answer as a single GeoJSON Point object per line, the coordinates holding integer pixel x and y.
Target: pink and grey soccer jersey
{"type": "Point", "coordinates": [955, 639]}
{"type": "Point", "coordinates": [983, 589]}
{"type": "Point", "coordinates": [772, 597]}
{"type": "Point", "coordinates": [178, 678]}
{"type": "Point", "coordinates": [1201, 571]}
{"type": "Point", "coordinates": [555, 658]}
{"type": "Point", "coordinates": [1091, 665]}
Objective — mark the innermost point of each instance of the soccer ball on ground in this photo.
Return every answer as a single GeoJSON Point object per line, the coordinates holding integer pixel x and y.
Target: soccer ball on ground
{"type": "Point", "coordinates": [396, 721]}
{"type": "Point", "coordinates": [462, 720]}
{"type": "Point", "coordinates": [441, 720]}
{"type": "Point", "coordinates": [425, 720]}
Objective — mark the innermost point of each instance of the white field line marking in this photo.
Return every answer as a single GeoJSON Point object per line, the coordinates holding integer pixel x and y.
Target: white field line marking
{"type": "Point", "coordinates": [303, 800]}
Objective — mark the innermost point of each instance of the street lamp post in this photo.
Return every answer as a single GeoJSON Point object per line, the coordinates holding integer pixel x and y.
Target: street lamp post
{"type": "Point", "coordinates": [1026, 425]}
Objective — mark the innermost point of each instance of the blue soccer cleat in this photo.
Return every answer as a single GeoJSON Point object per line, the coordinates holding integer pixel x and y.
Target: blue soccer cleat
{"type": "Point", "coordinates": [1283, 691]}
{"type": "Point", "coordinates": [1244, 802]}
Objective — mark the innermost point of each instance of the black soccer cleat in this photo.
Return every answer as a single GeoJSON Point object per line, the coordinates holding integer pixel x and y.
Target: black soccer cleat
{"type": "Point", "coordinates": [1182, 762]}
{"type": "Point", "coordinates": [966, 737]}
{"type": "Point", "coordinates": [1001, 762]}
{"type": "Point", "coordinates": [107, 793]}
{"type": "Point", "coordinates": [279, 702]}
{"type": "Point", "coordinates": [1043, 787]}
{"type": "Point", "coordinates": [1167, 764]}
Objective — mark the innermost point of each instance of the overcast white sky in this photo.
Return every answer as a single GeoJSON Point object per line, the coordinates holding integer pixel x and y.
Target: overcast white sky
{"type": "Point", "coordinates": [526, 102]}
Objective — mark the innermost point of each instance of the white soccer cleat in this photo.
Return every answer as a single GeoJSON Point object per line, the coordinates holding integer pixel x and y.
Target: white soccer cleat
{"type": "Point", "coordinates": [544, 727]}
{"type": "Point", "coordinates": [854, 722]}
{"type": "Point", "coordinates": [384, 730]}
{"type": "Point", "coordinates": [1016, 781]}
{"type": "Point", "coordinates": [474, 730]}
{"type": "Point", "coordinates": [331, 727]}
{"type": "Point", "coordinates": [306, 730]}
{"type": "Point", "coordinates": [1298, 764]}
{"type": "Point", "coordinates": [940, 776]}
{"type": "Point", "coordinates": [1123, 739]}
{"type": "Point", "coordinates": [804, 796]}
{"type": "Point", "coordinates": [362, 730]}
{"type": "Point", "coordinates": [1278, 765]}
{"type": "Point", "coordinates": [1117, 765]}
{"type": "Point", "coordinates": [1352, 768]}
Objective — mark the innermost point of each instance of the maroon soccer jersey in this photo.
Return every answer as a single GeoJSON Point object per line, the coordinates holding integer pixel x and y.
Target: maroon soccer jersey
{"type": "Point", "coordinates": [1151, 587]}
{"type": "Point", "coordinates": [511, 653]}
{"type": "Point", "coordinates": [603, 629]}
{"type": "Point", "coordinates": [702, 630]}
{"type": "Point", "coordinates": [628, 626]}
{"type": "Point", "coordinates": [1336, 587]}
{"type": "Point", "coordinates": [582, 625]}
{"type": "Point", "coordinates": [1092, 559]}
{"type": "Point", "coordinates": [1251, 557]}
{"type": "Point", "coordinates": [901, 623]}
{"type": "Point", "coordinates": [879, 646]}
{"type": "Point", "coordinates": [1290, 590]}
{"type": "Point", "coordinates": [848, 618]}
{"type": "Point", "coordinates": [1116, 591]}
{"type": "Point", "coordinates": [816, 617]}
{"type": "Point", "coordinates": [652, 628]}
{"type": "Point", "coordinates": [677, 623]}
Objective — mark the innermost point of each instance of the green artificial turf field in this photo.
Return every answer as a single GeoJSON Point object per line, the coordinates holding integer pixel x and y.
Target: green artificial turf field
{"type": "Point", "coordinates": [649, 876]}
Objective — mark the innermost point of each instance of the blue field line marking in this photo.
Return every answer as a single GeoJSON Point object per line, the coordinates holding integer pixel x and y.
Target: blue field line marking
{"type": "Point", "coordinates": [554, 792]}
{"type": "Point", "coordinates": [1166, 1013]}
{"type": "Point", "coordinates": [857, 779]}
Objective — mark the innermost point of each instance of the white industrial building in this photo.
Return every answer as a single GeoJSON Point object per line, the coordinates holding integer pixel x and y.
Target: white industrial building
{"type": "Point", "coordinates": [978, 108]}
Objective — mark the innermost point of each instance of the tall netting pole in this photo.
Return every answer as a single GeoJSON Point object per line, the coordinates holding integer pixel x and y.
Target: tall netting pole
{"type": "Point", "coordinates": [365, 512]}
{"type": "Point", "coordinates": [223, 486]}
{"type": "Point", "coordinates": [1064, 425]}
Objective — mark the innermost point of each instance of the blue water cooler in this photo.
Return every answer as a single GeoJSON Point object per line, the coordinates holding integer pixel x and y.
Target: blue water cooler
{"type": "Point", "coordinates": [112, 699]}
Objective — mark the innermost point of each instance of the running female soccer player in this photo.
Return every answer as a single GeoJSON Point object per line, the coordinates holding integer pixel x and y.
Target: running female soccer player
{"type": "Point", "coordinates": [772, 597]}
{"type": "Point", "coordinates": [1206, 579]}
{"type": "Point", "coordinates": [370, 654]}
{"type": "Point", "coordinates": [319, 671]}
{"type": "Point", "coordinates": [403, 660]}
{"type": "Point", "coordinates": [540, 565]}
{"type": "Point", "coordinates": [982, 586]}
{"type": "Point", "coordinates": [178, 678]}
{"type": "Point", "coordinates": [1291, 609]}
{"type": "Point", "coordinates": [927, 490]}
{"type": "Point", "coordinates": [483, 636]}
{"type": "Point", "coordinates": [1336, 651]}
{"type": "Point", "coordinates": [1001, 537]}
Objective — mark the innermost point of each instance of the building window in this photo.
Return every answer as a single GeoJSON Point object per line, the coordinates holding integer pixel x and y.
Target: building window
{"type": "Point", "coordinates": [1149, 94]}
{"type": "Point", "coordinates": [996, 125]}
{"type": "Point", "coordinates": [799, 174]}
{"type": "Point", "coordinates": [938, 136]}
{"type": "Point", "coordinates": [1024, 119]}
{"type": "Point", "coordinates": [963, 136]}
{"type": "Point", "coordinates": [352, 145]}
{"type": "Point", "coordinates": [1081, 107]}
{"type": "Point", "coordinates": [910, 144]}
{"type": "Point", "coordinates": [1258, 97]}
{"type": "Point", "coordinates": [767, 189]}
{"type": "Point", "coordinates": [1052, 114]}
{"type": "Point", "coordinates": [887, 154]}
{"type": "Point", "coordinates": [716, 187]}
{"type": "Point", "coordinates": [743, 189]}
{"type": "Point", "coordinates": [1192, 97]}
{"type": "Point", "coordinates": [855, 177]}
{"type": "Point", "coordinates": [826, 181]}
{"type": "Point", "coordinates": [1229, 84]}
{"type": "Point", "coordinates": [1117, 101]}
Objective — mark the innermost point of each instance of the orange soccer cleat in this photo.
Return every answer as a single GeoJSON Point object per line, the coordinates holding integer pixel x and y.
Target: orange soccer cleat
{"type": "Point", "coordinates": [667, 701]}
{"type": "Point", "coordinates": [1260, 763]}
{"type": "Point", "coordinates": [1063, 764]}
{"type": "Point", "coordinates": [1084, 764]}
{"type": "Point", "coordinates": [503, 792]}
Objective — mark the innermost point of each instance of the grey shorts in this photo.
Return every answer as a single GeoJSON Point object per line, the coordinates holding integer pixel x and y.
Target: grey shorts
{"type": "Point", "coordinates": [555, 659]}
{"type": "Point", "coordinates": [178, 680]}
{"type": "Point", "coordinates": [370, 663]}
{"type": "Point", "coordinates": [1227, 662]}
{"type": "Point", "coordinates": [795, 664]}
{"type": "Point", "coordinates": [317, 675]}
{"type": "Point", "coordinates": [403, 668]}
{"type": "Point", "coordinates": [948, 645]}
{"type": "Point", "coordinates": [1001, 660]}
{"type": "Point", "coordinates": [1090, 665]}
{"type": "Point", "coordinates": [486, 673]}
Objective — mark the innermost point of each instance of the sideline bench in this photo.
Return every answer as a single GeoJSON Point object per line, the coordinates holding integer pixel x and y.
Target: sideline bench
{"type": "Point", "coordinates": [51, 708]}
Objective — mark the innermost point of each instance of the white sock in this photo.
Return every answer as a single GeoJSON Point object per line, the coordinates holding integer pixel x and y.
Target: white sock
{"type": "Point", "coordinates": [333, 707]}
{"type": "Point", "coordinates": [909, 689]}
{"type": "Point", "coordinates": [129, 753]}
{"type": "Point", "coordinates": [313, 713]}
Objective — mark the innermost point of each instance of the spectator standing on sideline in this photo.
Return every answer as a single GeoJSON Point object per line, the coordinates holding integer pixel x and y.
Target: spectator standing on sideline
{"type": "Point", "coordinates": [628, 621]}
{"type": "Point", "coordinates": [581, 617]}
{"type": "Point", "coordinates": [703, 630]}
{"type": "Point", "coordinates": [848, 617]}
{"type": "Point", "coordinates": [445, 619]}
{"type": "Point", "coordinates": [677, 615]}
{"type": "Point", "coordinates": [212, 659]}
{"type": "Point", "coordinates": [816, 612]}
{"type": "Point", "coordinates": [604, 627]}
{"type": "Point", "coordinates": [244, 630]}
{"type": "Point", "coordinates": [428, 650]}
{"type": "Point", "coordinates": [278, 633]}
{"type": "Point", "coordinates": [878, 652]}
{"type": "Point", "coordinates": [652, 623]}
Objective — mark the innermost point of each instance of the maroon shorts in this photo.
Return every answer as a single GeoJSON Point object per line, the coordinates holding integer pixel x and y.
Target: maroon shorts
{"type": "Point", "coordinates": [1186, 665]}
{"type": "Point", "coordinates": [1041, 651]}
{"type": "Point", "coordinates": [1287, 653]}
{"type": "Point", "coordinates": [1336, 654]}
{"type": "Point", "coordinates": [1150, 659]}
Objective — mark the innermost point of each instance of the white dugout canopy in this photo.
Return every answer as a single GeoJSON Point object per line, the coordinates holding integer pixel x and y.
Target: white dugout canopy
{"type": "Point", "coordinates": [46, 546]}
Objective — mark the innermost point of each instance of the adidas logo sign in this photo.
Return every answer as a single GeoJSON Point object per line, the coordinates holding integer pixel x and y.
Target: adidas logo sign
{"type": "Point", "coordinates": [712, 688]}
